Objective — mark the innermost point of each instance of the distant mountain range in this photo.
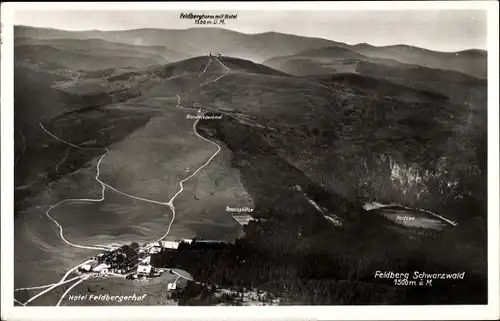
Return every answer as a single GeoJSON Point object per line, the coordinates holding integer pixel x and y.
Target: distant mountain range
{"type": "Point", "coordinates": [326, 60]}
{"type": "Point", "coordinates": [91, 54]}
{"type": "Point", "coordinates": [180, 44]}
{"type": "Point", "coordinates": [472, 61]}
{"type": "Point", "coordinates": [334, 60]}
{"type": "Point", "coordinates": [345, 59]}
{"type": "Point", "coordinates": [102, 47]}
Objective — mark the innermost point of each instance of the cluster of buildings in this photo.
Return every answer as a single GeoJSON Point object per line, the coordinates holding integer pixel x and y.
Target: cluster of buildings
{"type": "Point", "coordinates": [121, 260]}
{"type": "Point", "coordinates": [144, 267]}
{"type": "Point", "coordinates": [218, 55]}
{"type": "Point", "coordinates": [134, 261]}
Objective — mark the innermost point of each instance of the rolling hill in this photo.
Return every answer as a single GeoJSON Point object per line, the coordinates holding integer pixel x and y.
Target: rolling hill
{"type": "Point", "coordinates": [369, 86]}
{"type": "Point", "coordinates": [100, 47]}
{"type": "Point", "coordinates": [325, 60]}
{"type": "Point", "coordinates": [338, 140]}
{"type": "Point", "coordinates": [264, 46]}
{"type": "Point", "coordinates": [341, 145]}
{"type": "Point", "coordinates": [195, 41]}
{"type": "Point", "coordinates": [74, 60]}
{"type": "Point", "coordinates": [341, 60]}
{"type": "Point", "coordinates": [457, 86]}
{"type": "Point", "coordinates": [304, 118]}
{"type": "Point", "coordinates": [472, 62]}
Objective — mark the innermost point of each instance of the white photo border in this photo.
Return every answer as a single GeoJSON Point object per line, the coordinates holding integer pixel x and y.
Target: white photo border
{"type": "Point", "coordinates": [444, 312]}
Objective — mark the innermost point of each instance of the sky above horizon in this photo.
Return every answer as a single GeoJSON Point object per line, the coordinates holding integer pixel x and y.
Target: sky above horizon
{"type": "Point", "coordinates": [442, 30]}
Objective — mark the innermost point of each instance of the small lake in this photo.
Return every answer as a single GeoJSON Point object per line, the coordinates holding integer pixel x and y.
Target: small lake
{"type": "Point", "coordinates": [411, 218]}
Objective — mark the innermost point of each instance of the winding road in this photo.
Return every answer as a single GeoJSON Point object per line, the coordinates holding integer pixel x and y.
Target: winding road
{"type": "Point", "coordinates": [170, 203]}
{"type": "Point", "coordinates": [70, 288]}
{"type": "Point", "coordinates": [208, 64]}
{"type": "Point", "coordinates": [61, 282]}
{"type": "Point", "coordinates": [46, 285]}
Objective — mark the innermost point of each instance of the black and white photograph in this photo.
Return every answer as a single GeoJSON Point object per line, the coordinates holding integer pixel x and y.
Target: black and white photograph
{"type": "Point", "coordinates": [222, 156]}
